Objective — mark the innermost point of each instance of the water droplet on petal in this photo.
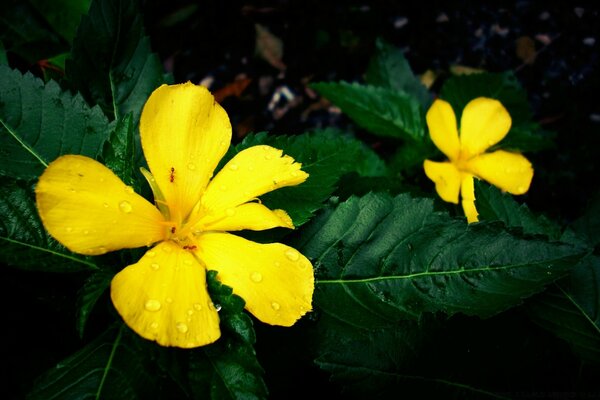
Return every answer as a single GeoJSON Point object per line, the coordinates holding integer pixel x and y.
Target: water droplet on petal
{"type": "Point", "coordinates": [250, 167]}
{"type": "Point", "coordinates": [197, 306]}
{"type": "Point", "coordinates": [69, 229]}
{"type": "Point", "coordinates": [152, 305]}
{"type": "Point", "coordinates": [275, 306]}
{"type": "Point", "coordinates": [190, 312]}
{"type": "Point", "coordinates": [295, 173]}
{"type": "Point", "coordinates": [167, 249]}
{"type": "Point", "coordinates": [182, 327]}
{"type": "Point", "coordinates": [125, 206]}
{"type": "Point", "coordinates": [154, 325]}
{"type": "Point", "coordinates": [256, 277]}
{"type": "Point", "coordinates": [128, 190]}
{"type": "Point", "coordinates": [234, 167]}
{"type": "Point", "coordinates": [102, 250]}
{"type": "Point", "coordinates": [85, 231]}
{"type": "Point", "coordinates": [72, 190]}
{"type": "Point", "coordinates": [223, 188]}
{"type": "Point", "coordinates": [151, 253]}
{"type": "Point", "coordinates": [154, 266]}
{"type": "Point", "coordinates": [292, 255]}
{"type": "Point", "coordinates": [169, 300]}
{"type": "Point", "coordinates": [191, 166]}
{"type": "Point", "coordinates": [230, 212]}
{"type": "Point", "coordinates": [105, 205]}
{"type": "Point", "coordinates": [521, 189]}
{"type": "Point", "coordinates": [187, 261]}
{"type": "Point", "coordinates": [218, 307]}
{"type": "Point", "coordinates": [277, 264]}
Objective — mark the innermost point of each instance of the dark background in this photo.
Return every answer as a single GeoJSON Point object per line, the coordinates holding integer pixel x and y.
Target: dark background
{"type": "Point", "coordinates": [331, 41]}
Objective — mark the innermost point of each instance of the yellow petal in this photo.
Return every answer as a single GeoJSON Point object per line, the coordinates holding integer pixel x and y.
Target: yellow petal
{"type": "Point", "coordinates": [446, 177]}
{"type": "Point", "coordinates": [87, 208]}
{"type": "Point", "coordinates": [467, 194]}
{"type": "Point", "coordinates": [443, 129]}
{"type": "Point", "coordinates": [275, 280]}
{"type": "Point", "coordinates": [163, 297]}
{"type": "Point", "coordinates": [251, 173]}
{"type": "Point", "coordinates": [184, 135]}
{"type": "Point", "coordinates": [252, 216]}
{"type": "Point", "coordinates": [484, 123]}
{"type": "Point", "coordinates": [511, 172]}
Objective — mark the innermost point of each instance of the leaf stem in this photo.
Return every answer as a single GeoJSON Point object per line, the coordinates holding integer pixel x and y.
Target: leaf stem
{"type": "Point", "coordinates": [109, 362]}
{"type": "Point", "coordinates": [23, 144]}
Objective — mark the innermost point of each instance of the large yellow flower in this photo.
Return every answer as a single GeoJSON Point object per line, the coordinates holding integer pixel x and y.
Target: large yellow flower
{"type": "Point", "coordinates": [163, 297]}
{"type": "Point", "coordinates": [484, 123]}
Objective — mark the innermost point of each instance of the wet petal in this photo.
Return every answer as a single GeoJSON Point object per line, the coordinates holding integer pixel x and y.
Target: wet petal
{"type": "Point", "coordinates": [467, 194]}
{"type": "Point", "coordinates": [446, 177]}
{"type": "Point", "coordinates": [275, 280]}
{"type": "Point", "coordinates": [87, 208]}
{"type": "Point", "coordinates": [252, 216]}
{"type": "Point", "coordinates": [484, 123]}
{"type": "Point", "coordinates": [251, 173]}
{"type": "Point", "coordinates": [511, 172]}
{"type": "Point", "coordinates": [163, 297]}
{"type": "Point", "coordinates": [185, 133]}
{"type": "Point", "coordinates": [443, 129]}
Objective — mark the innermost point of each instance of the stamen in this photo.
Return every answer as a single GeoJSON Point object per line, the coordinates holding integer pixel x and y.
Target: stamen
{"type": "Point", "coordinates": [172, 176]}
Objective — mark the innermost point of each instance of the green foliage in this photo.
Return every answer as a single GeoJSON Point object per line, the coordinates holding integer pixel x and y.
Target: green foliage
{"type": "Point", "coordinates": [325, 156]}
{"type": "Point", "coordinates": [119, 151]}
{"type": "Point", "coordinates": [62, 15]}
{"type": "Point", "coordinates": [381, 111]}
{"type": "Point", "coordinates": [39, 122]}
{"type": "Point", "coordinates": [111, 62]}
{"type": "Point", "coordinates": [381, 260]}
{"type": "Point", "coordinates": [24, 243]}
{"type": "Point", "coordinates": [89, 294]}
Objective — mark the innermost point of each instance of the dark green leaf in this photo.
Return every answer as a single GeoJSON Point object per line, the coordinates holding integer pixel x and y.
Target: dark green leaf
{"type": "Point", "coordinates": [110, 367]}
{"type": "Point", "coordinates": [389, 68]}
{"type": "Point", "coordinates": [39, 122]}
{"type": "Point", "coordinates": [90, 292]}
{"type": "Point", "coordinates": [571, 309]}
{"type": "Point", "coordinates": [24, 243]}
{"type": "Point", "coordinates": [381, 111]}
{"type": "Point", "coordinates": [325, 156]}
{"type": "Point", "coordinates": [62, 15]}
{"type": "Point", "coordinates": [493, 205]}
{"type": "Point", "coordinates": [119, 151]}
{"type": "Point", "coordinates": [588, 225]}
{"type": "Point", "coordinates": [112, 64]}
{"type": "Point", "coordinates": [381, 259]}
{"type": "Point", "coordinates": [3, 59]}
{"type": "Point", "coordinates": [228, 369]}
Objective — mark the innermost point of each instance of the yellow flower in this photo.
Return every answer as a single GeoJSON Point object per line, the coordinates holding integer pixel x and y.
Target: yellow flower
{"type": "Point", "coordinates": [163, 297]}
{"type": "Point", "coordinates": [484, 123]}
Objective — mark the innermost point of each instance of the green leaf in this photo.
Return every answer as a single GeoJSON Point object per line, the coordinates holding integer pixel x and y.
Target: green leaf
{"type": "Point", "coordinates": [112, 64]}
{"type": "Point", "coordinates": [93, 288]}
{"type": "Point", "coordinates": [228, 369]}
{"type": "Point", "coordinates": [588, 225]}
{"type": "Point", "coordinates": [389, 68]}
{"type": "Point", "coordinates": [325, 156]}
{"type": "Point", "coordinates": [571, 309]}
{"type": "Point", "coordinates": [3, 59]}
{"type": "Point", "coordinates": [119, 151]}
{"type": "Point", "coordinates": [381, 111]}
{"type": "Point", "coordinates": [110, 367]}
{"type": "Point", "coordinates": [62, 15]}
{"type": "Point", "coordinates": [493, 205]}
{"type": "Point", "coordinates": [380, 259]}
{"type": "Point", "coordinates": [24, 243]}
{"type": "Point", "coordinates": [39, 122]}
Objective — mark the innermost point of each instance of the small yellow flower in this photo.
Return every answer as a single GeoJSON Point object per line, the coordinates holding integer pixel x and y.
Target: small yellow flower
{"type": "Point", "coordinates": [484, 123]}
{"type": "Point", "coordinates": [163, 297]}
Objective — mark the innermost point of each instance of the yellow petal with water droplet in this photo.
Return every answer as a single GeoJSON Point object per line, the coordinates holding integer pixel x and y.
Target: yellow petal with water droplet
{"type": "Point", "coordinates": [511, 172]}
{"type": "Point", "coordinates": [261, 169]}
{"type": "Point", "coordinates": [251, 270]}
{"type": "Point", "coordinates": [155, 303]}
{"type": "Point", "coordinates": [443, 130]}
{"type": "Point", "coordinates": [252, 216]}
{"type": "Point", "coordinates": [484, 123]}
{"type": "Point", "coordinates": [185, 133]}
{"type": "Point", "coordinates": [87, 208]}
{"type": "Point", "coordinates": [446, 178]}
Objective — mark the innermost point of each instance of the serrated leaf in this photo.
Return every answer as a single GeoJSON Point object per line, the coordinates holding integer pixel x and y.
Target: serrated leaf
{"type": "Point", "coordinates": [325, 156]}
{"type": "Point", "coordinates": [93, 288]}
{"type": "Point", "coordinates": [389, 68]}
{"type": "Point", "coordinates": [119, 151]}
{"type": "Point", "coordinates": [24, 243]}
{"type": "Point", "coordinates": [493, 205]}
{"type": "Point", "coordinates": [380, 259]}
{"type": "Point", "coordinates": [39, 122]}
{"type": "Point", "coordinates": [62, 15]}
{"type": "Point", "coordinates": [228, 369]}
{"type": "Point", "coordinates": [112, 64]}
{"type": "Point", "coordinates": [381, 111]}
{"type": "Point", "coordinates": [571, 309]}
{"type": "Point", "coordinates": [110, 367]}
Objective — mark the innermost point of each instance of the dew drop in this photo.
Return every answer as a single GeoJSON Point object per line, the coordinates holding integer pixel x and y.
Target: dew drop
{"type": "Point", "coordinates": [277, 264]}
{"type": "Point", "coordinates": [187, 261]}
{"type": "Point", "coordinates": [268, 156]}
{"type": "Point", "coordinates": [190, 312]}
{"type": "Point", "coordinates": [275, 306]}
{"type": "Point", "coordinates": [230, 212]}
{"type": "Point", "coordinates": [256, 277]}
{"type": "Point", "coordinates": [295, 173]}
{"type": "Point", "coordinates": [169, 300]}
{"type": "Point", "coordinates": [102, 250]}
{"type": "Point", "coordinates": [69, 229]}
{"type": "Point", "coordinates": [154, 325]}
{"type": "Point", "coordinates": [72, 190]}
{"type": "Point", "coordinates": [223, 188]}
{"type": "Point", "coordinates": [182, 327]}
{"type": "Point", "coordinates": [234, 167]}
{"type": "Point", "coordinates": [197, 306]}
{"type": "Point", "coordinates": [85, 232]}
{"type": "Point", "coordinates": [250, 167]}
{"type": "Point", "coordinates": [218, 307]}
{"type": "Point", "coordinates": [151, 253]}
{"type": "Point", "coordinates": [105, 205]}
{"type": "Point", "coordinates": [191, 166]}
{"type": "Point", "coordinates": [125, 206]}
{"type": "Point", "coordinates": [154, 266]}
{"type": "Point", "coordinates": [521, 189]}
{"type": "Point", "coordinates": [128, 190]}
{"type": "Point", "coordinates": [102, 180]}
{"type": "Point", "coordinates": [167, 249]}
{"type": "Point", "coordinates": [292, 255]}
{"type": "Point", "coordinates": [152, 305]}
